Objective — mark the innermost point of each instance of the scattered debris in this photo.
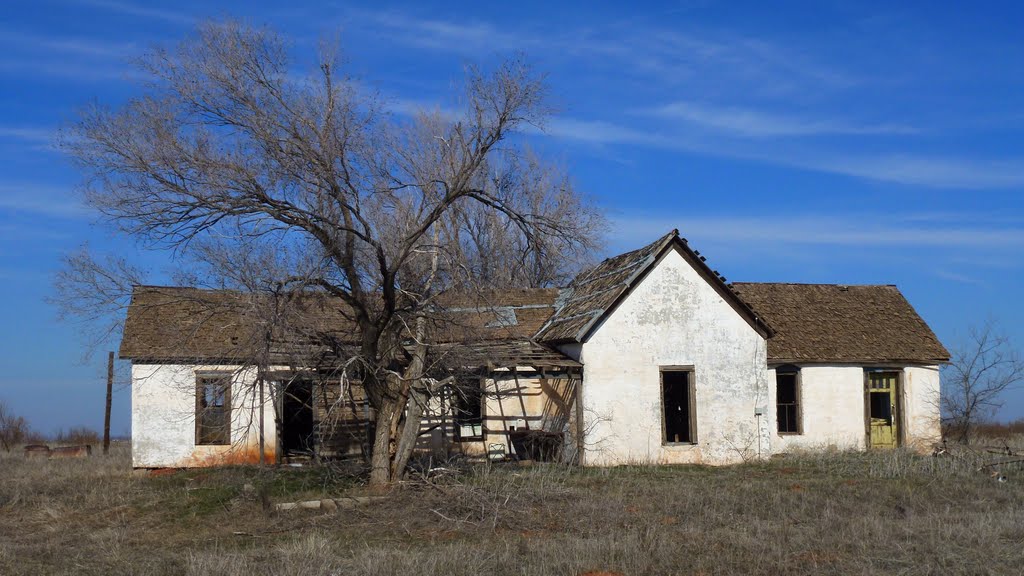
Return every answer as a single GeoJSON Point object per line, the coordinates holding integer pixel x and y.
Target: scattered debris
{"type": "Point", "coordinates": [83, 451]}
{"type": "Point", "coordinates": [37, 451]}
{"type": "Point", "coordinates": [329, 504]}
{"type": "Point", "coordinates": [44, 451]}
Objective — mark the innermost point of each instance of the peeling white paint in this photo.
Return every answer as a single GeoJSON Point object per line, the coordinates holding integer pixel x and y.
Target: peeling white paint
{"type": "Point", "coordinates": [674, 317]}
{"type": "Point", "coordinates": [833, 411]}
{"type": "Point", "coordinates": [921, 407]}
{"type": "Point", "coordinates": [164, 418]}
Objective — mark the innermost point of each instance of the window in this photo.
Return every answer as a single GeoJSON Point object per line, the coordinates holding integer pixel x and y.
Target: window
{"type": "Point", "coordinates": [787, 401]}
{"type": "Point", "coordinates": [213, 409]}
{"type": "Point", "coordinates": [469, 411]}
{"type": "Point", "coordinates": [677, 392]}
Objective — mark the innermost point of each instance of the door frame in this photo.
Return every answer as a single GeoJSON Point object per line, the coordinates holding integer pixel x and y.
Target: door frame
{"type": "Point", "coordinates": [897, 418]}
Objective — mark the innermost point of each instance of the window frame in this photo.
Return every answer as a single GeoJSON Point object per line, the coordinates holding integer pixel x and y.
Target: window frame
{"type": "Point", "coordinates": [798, 402]}
{"type": "Point", "coordinates": [691, 400]}
{"type": "Point", "coordinates": [202, 378]}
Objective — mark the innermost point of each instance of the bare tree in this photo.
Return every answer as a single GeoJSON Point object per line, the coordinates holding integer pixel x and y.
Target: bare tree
{"type": "Point", "coordinates": [95, 291]}
{"type": "Point", "coordinates": [280, 186]}
{"type": "Point", "coordinates": [976, 378]}
{"type": "Point", "coordinates": [13, 429]}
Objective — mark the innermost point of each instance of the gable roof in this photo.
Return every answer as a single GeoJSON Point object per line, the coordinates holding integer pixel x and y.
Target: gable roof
{"type": "Point", "coordinates": [595, 292]}
{"type": "Point", "coordinates": [166, 323]}
{"type": "Point", "coordinates": [838, 323]}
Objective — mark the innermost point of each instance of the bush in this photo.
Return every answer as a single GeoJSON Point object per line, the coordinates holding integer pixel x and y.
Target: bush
{"type": "Point", "coordinates": [13, 429]}
{"type": "Point", "coordinates": [77, 435]}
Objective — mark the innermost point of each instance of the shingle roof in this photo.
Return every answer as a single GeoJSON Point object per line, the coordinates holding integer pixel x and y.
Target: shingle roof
{"type": "Point", "coordinates": [596, 291]}
{"type": "Point", "coordinates": [189, 324]}
{"type": "Point", "coordinates": [805, 322]}
{"type": "Point", "coordinates": [837, 323]}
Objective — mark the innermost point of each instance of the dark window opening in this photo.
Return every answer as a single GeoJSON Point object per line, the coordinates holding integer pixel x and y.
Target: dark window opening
{"type": "Point", "coordinates": [469, 411]}
{"type": "Point", "coordinates": [787, 402]}
{"type": "Point", "coordinates": [297, 418]}
{"type": "Point", "coordinates": [881, 406]}
{"type": "Point", "coordinates": [213, 409]}
{"type": "Point", "coordinates": [677, 406]}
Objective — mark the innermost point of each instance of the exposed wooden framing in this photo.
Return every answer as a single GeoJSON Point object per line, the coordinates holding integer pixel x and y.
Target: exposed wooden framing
{"type": "Point", "coordinates": [867, 408]}
{"type": "Point", "coordinates": [899, 418]}
{"type": "Point", "coordinates": [580, 424]}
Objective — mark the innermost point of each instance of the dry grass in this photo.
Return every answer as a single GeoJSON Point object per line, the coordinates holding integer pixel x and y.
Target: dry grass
{"type": "Point", "coordinates": [824, 513]}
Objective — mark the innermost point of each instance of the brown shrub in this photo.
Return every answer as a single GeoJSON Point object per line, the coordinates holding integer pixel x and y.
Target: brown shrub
{"type": "Point", "coordinates": [77, 435]}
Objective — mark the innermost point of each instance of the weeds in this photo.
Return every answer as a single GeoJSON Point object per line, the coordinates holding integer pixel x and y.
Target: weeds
{"type": "Point", "coordinates": [837, 513]}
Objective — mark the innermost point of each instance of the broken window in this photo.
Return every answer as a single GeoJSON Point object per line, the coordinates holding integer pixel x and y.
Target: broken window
{"type": "Point", "coordinates": [213, 409]}
{"type": "Point", "coordinates": [469, 411]}
{"type": "Point", "coordinates": [787, 402]}
{"type": "Point", "coordinates": [677, 393]}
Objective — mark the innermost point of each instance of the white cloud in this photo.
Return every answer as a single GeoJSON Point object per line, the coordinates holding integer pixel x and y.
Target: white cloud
{"type": "Point", "coordinates": [751, 123]}
{"type": "Point", "coordinates": [859, 230]}
{"type": "Point", "coordinates": [931, 171]}
{"type": "Point", "coordinates": [468, 37]}
{"type": "Point", "coordinates": [139, 10]}
{"type": "Point", "coordinates": [633, 48]}
{"type": "Point", "coordinates": [44, 200]}
{"type": "Point", "coordinates": [76, 46]}
{"type": "Point", "coordinates": [28, 134]}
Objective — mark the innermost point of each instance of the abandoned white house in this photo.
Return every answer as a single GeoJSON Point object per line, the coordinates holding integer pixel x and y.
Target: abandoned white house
{"type": "Point", "coordinates": [648, 357]}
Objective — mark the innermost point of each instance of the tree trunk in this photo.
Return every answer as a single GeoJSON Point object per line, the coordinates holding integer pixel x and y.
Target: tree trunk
{"type": "Point", "coordinates": [380, 458]}
{"type": "Point", "coordinates": [410, 431]}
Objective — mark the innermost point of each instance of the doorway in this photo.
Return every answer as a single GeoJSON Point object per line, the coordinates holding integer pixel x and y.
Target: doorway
{"type": "Point", "coordinates": [297, 436]}
{"type": "Point", "coordinates": [883, 409]}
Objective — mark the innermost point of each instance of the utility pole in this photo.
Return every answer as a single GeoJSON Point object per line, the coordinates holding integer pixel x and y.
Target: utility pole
{"type": "Point", "coordinates": [110, 393]}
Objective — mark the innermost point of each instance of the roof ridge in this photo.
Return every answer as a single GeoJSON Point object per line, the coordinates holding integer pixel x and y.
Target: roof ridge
{"type": "Point", "coordinates": [816, 284]}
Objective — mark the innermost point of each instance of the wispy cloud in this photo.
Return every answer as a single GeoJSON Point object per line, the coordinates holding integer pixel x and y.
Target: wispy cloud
{"type": "Point", "coordinates": [752, 123]}
{"type": "Point", "coordinates": [42, 200]}
{"type": "Point", "coordinates": [601, 132]}
{"type": "Point", "coordinates": [633, 48]}
{"type": "Point", "coordinates": [72, 45]}
{"type": "Point", "coordinates": [65, 69]}
{"type": "Point", "coordinates": [466, 37]}
{"type": "Point", "coordinates": [958, 277]}
{"type": "Point", "coordinates": [861, 230]}
{"type": "Point", "coordinates": [716, 66]}
{"type": "Point", "coordinates": [931, 171]}
{"type": "Point", "coordinates": [140, 10]}
{"type": "Point", "coordinates": [31, 134]}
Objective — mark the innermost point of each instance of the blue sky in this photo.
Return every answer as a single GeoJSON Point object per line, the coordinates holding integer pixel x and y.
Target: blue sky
{"type": "Point", "coordinates": [846, 142]}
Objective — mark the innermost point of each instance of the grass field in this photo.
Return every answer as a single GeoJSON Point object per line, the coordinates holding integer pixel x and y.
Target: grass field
{"type": "Point", "coordinates": [889, 512]}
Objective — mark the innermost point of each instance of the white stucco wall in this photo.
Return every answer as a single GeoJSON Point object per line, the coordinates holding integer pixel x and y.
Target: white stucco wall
{"type": "Point", "coordinates": [921, 407]}
{"type": "Point", "coordinates": [674, 318]}
{"type": "Point", "coordinates": [164, 419]}
{"type": "Point", "coordinates": [832, 408]}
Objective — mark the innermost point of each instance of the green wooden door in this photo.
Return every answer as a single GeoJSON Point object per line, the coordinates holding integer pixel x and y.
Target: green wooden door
{"type": "Point", "coordinates": [881, 408]}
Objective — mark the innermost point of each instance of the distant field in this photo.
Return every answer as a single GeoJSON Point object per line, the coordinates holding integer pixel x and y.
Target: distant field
{"type": "Point", "coordinates": [891, 513]}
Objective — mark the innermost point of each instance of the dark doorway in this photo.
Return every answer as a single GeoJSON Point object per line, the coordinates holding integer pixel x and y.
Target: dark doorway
{"type": "Point", "coordinates": [297, 418]}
